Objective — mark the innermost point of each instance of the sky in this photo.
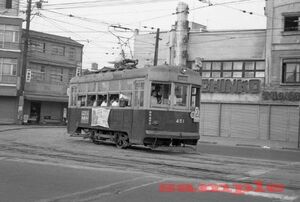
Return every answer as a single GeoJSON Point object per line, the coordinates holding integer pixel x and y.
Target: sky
{"type": "Point", "coordinates": [92, 21]}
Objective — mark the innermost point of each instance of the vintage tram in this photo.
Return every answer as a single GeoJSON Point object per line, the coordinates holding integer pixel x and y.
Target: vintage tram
{"type": "Point", "coordinates": [152, 106]}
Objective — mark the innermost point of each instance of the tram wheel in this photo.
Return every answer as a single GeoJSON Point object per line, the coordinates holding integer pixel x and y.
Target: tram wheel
{"type": "Point", "coordinates": [122, 141]}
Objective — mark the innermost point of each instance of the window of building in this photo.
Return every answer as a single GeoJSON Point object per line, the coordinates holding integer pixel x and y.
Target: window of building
{"type": "Point", "coordinates": [291, 23]}
{"type": "Point", "coordinates": [38, 72]}
{"type": "Point", "coordinates": [9, 37]}
{"type": "Point", "coordinates": [8, 4]}
{"type": "Point", "coordinates": [58, 50]}
{"type": "Point", "coordinates": [291, 71]}
{"type": "Point", "coordinates": [56, 74]}
{"type": "Point", "coordinates": [8, 66]}
{"type": "Point", "coordinates": [37, 46]}
{"type": "Point", "coordinates": [72, 53]}
{"type": "Point", "coordinates": [233, 69]}
{"type": "Point", "coordinates": [8, 70]}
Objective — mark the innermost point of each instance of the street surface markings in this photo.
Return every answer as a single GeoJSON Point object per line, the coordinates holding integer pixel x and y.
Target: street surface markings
{"type": "Point", "coordinates": [106, 190]}
{"type": "Point", "coordinates": [75, 166]}
{"type": "Point", "coordinates": [281, 197]}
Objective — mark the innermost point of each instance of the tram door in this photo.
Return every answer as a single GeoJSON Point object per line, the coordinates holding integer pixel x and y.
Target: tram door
{"type": "Point", "coordinates": [138, 115]}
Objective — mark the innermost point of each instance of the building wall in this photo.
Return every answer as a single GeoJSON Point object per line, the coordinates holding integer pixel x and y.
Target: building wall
{"type": "Point", "coordinates": [52, 63]}
{"type": "Point", "coordinates": [281, 44]}
{"type": "Point", "coordinates": [13, 11]}
{"type": "Point", "coordinates": [227, 45]}
{"type": "Point", "coordinates": [10, 61]}
{"type": "Point", "coordinates": [219, 45]}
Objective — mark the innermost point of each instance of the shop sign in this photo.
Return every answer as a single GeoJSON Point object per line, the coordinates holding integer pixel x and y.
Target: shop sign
{"type": "Point", "coordinates": [231, 86]}
{"type": "Point", "coordinates": [281, 96]}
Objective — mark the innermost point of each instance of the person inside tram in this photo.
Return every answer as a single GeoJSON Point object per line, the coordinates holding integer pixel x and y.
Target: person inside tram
{"type": "Point", "coordinates": [154, 97]}
{"type": "Point", "coordinates": [102, 100]}
{"type": "Point", "coordinates": [104, 103]}
{"type": "Point", "coordinates": [115, 102]}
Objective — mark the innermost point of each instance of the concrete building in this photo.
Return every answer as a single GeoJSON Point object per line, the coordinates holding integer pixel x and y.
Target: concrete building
{"type": "Point", "coordinates": [251, 92]}
{"type": "Point", "coordinates": [52, 61]}
{"type": "Point", "coordinates": [10, 56]}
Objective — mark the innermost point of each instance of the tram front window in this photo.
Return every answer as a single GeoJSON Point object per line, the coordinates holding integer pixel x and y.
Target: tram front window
{"type": "Point", "coordinates": [160, 94]}
{"type": "Point", "coordinates": [195, 97]}
{"type": "Point", "coordinates": [181, 93]}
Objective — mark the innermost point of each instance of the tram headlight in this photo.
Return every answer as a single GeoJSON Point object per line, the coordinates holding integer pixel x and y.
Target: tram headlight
{"type": "Point", "coordinates": [155, 123]}
{"type": "Point", "coordinates": [183, 70]}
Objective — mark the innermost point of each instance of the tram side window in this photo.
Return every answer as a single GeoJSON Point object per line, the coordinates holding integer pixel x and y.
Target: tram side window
{"type": "Point", "coordinates": [91, 100]}
{"type": "Point", "coordinates": [125, 99]}
{"type": "Point", "coordinates": [102, 100]}
{"type": "Point", "coordinates": [73, 96]}
{"type": "Point", "coordinates": [180, 98]}
{"type": "Point", "coordinates": [139, 93]}
{"type": "Point", "coordinates": [81, 100]}
{"type": "Point", "coordinates": [195, 97]}
{"type": "Point", "coordinates": [113, 100]}
{"type": "Point", "coordinates": [160, 93]}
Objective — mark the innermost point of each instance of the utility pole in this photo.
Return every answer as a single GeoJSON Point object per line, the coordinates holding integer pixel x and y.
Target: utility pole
{"type": "Point", "coordinates": [156, 48]}
{"type": "Point", "coordinates": [24, 64]}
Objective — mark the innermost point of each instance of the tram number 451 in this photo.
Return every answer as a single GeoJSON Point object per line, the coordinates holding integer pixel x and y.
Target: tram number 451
{"type": "Point", "coordinates": [179, 120]}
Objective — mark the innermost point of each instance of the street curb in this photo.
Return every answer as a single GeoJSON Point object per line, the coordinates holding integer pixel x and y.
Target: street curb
{"type": "Point", "coordinates": [32, 127]}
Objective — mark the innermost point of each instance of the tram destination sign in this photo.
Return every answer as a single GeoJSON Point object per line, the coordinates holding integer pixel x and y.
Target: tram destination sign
{"type": "Point", "coordinates": [85, 115]}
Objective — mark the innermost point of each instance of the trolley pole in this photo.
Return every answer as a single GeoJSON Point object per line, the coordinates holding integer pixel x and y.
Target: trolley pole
{"type": "Point", "coordinates": [156, 47]}
{"type": "Point", "coordinates": [24, 64]}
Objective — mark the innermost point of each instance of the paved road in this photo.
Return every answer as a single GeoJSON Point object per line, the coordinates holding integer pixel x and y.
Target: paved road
{"type": "Point", "coordinates": [24, 180]}
{"type": "Point", "coordinates": [62, 158]}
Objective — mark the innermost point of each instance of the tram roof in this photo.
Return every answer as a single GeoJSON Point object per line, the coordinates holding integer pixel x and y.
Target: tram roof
{"type": "Point", "coordinates": [157, 73]}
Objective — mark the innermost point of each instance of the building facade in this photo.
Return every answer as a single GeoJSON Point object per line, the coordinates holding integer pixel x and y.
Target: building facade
{"type": "Point", "coordinates": [52, 61]}
{"type": "Point", "coordinates": [10, 59]}
{"type": "Point", "coordinates": [251, 92]}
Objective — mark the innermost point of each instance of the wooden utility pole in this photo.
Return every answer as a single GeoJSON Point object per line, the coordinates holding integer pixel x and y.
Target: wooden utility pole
{"type": "Point", "coordinates": [156, 48]}
{"type": "Point", "coordinates": [24, 64]}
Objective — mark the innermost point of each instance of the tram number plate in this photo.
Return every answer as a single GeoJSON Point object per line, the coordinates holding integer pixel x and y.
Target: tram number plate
{"type": "Point", "coordinates": [195, 115]}
{"type": "Point", "coordinates": [179, 120]}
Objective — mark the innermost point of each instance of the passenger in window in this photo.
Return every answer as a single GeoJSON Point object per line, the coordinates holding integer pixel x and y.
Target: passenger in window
{"type": "Point", "coordinates": [115, 102]}
{"type": "Point", "coordinates": [124, 100]}
{"type": "Point", "coordinates": [104, 103]}
{"type": "Point", "coordinates": [154, 97]}
{"type": "Point", "coordinates": [102, 100]}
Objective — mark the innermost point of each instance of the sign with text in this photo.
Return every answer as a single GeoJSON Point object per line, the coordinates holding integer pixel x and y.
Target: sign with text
{"type": "Point", "coordinates": [85, 115]}
{"type": "Point", "coordinates": [281, 96]}
{"type": "Point", "coordinates": [100, 117]}
{"type": "Point", "coordinates": [231, 86]}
